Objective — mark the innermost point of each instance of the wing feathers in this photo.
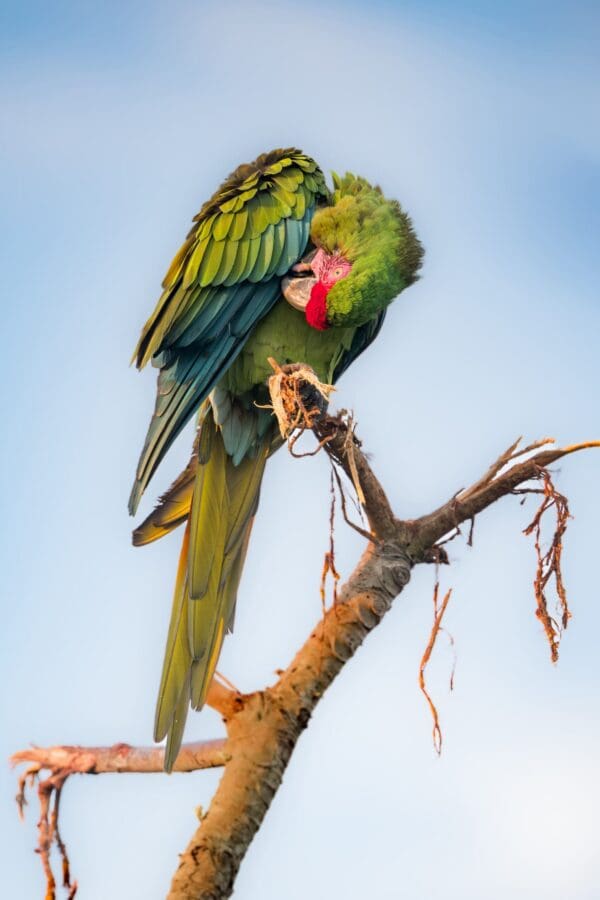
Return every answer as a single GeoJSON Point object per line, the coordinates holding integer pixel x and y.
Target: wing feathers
{"type": "Point", "coordinates": [172, 509]}
{"type": "Point", "coordinates": [254, 197]}
{"type": "Point", "coordinates": [254, 228]}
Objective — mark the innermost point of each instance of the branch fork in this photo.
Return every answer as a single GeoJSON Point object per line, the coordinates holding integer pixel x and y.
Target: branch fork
{"type": "Point", "coordinates": [263, 727]}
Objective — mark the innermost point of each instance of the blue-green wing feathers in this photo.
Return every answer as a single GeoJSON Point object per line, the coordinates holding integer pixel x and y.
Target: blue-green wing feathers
{"type": "Point", "coordinates": [222, 282]}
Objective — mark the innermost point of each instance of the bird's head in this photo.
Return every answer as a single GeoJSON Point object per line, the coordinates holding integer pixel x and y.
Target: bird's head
{"type": "Point", "coordinates": [364, 252]}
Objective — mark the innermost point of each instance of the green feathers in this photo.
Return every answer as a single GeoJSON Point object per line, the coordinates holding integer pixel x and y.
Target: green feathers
{"type": "Point", "coordinates": [220, 317]}
{"type": "Point", "coordinates": [240, 234]}
{"type": "Point", "coordinates": [221, 283]}
{"type": "Point", "coordinates": [172, 510]}
{"type": "Point", "coordinates": [377, 237]}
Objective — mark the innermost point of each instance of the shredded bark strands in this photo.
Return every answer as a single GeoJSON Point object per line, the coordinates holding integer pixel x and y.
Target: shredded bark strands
{"type": "Point", "coordinates": [288, 389]}
{"type": "Point", "coordinates": [49, 792]}
{"type": "Point", "coordinates": [349, 445]}
{"type": "Point", "coordinates": [438, 615]}
{"type": "Point", "coordinates": [329, 559]}
{"type": "Point", "coordinates": [362, 531]}
{"type": "Point", "coordinates": [549, 564]}
{"type": "Point", "coordinates": [298, 400]}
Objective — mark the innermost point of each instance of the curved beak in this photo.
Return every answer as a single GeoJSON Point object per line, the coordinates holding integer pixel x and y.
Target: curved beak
{"type": "Point", "coordinates": [296, 286]}
{"type": "Point", "coordinates": [296, 290]}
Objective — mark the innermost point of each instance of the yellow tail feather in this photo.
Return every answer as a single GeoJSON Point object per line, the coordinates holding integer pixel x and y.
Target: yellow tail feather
{"type": "Point", "coordinates": [222, 501]}
{"type": "Point", "coordinates": [172, 509]}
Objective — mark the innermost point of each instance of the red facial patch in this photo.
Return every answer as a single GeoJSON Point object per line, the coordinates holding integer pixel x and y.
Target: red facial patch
{"type": "Point", "coordinates": [316, 308]}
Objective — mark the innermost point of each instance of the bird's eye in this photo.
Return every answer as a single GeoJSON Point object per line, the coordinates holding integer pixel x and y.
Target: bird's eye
{"type": "Point", "coordinates": [337, 273]}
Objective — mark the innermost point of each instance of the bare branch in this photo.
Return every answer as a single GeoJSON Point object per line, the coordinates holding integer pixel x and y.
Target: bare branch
{"type": "Point", "coordinates": [222, 697]}
{"type": "Point", "coordinates": [64, 761]}
{"type": "Point", "coordinates": [344, 449]}
{"type": "Point", "coordinates": [463, 507]}
{"type": "Point", "coordinates": [122, 758]}
{"type": "Point", "coordinates": [299, 400]}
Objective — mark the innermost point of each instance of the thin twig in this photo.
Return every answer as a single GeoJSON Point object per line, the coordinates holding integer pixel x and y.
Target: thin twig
{"type": "Point", "coordinates": [362, 531]}
{"type": "Point", "coordinates": [429, 529]}
{"type": "Point", "coordinates": [329, 559]}
{"type": "Point", "coordinates": [438, 615]}
{"type": "Point", "coordinates": [349, 446]}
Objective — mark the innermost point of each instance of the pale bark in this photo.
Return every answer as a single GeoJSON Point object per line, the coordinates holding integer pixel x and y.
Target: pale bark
{"type": "Point", "coordinates": [123, 758]}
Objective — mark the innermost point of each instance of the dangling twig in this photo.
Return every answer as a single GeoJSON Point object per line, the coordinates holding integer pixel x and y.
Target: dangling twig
{"type": "Point", "coordinates": [549, 564]}
{"type": "Point", "coordinates": [438, 615]}
{"type": "Point", "coordinates": [362, 531]}
{"type": "Point", "coordinates": [329, 560]}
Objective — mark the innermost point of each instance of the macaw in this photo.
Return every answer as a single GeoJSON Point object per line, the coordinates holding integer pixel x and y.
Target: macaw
{"type": "Point", "coordinates": [275, 265]}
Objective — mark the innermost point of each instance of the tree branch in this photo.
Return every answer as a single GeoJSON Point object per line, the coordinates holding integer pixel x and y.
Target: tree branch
{"type": "Point", "coordinates": [344, 449]}
{"type": "Point", "coordinates": [123, 758]}
{"type": "Point", "coordinates": [465, 505]}
{"type": "Point", "coordinates": [268, 725]}
{"type": "Point", "coordinates": [64, 761]}
{"type": "Point", "coordinates": [221, 698]}
{"type": "Point", "coordinates": [263, 727]}
{"type": "Point", "coordinates": [263, 732]}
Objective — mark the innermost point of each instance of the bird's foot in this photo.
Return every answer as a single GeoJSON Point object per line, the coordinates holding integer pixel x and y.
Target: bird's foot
{"type": "Point", "coordinates": [299, 399]}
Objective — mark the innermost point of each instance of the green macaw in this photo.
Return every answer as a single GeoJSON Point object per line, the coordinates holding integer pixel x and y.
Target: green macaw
{"type": "Point", "coordinates": [226, 307]}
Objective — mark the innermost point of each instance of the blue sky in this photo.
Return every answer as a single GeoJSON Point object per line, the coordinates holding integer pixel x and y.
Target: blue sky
{"type": "Point", "coordinates": [118, 120]}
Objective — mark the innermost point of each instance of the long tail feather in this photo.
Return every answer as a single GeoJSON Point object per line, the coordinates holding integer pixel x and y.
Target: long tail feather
{"type": "Point", "coordinates": [232, 578]}
{"type": "Point", "coordinates": [175, 735]}
{"type": "Point", "coordinates": [178, 659]}
{"type": "Point", "coordinates": [224, 499]}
